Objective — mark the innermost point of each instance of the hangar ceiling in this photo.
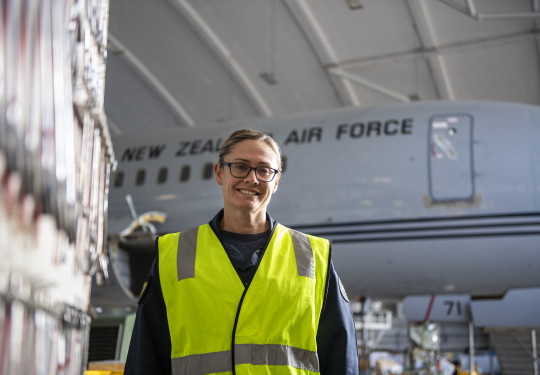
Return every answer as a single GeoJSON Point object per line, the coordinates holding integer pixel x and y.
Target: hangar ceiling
{"type": "Point", "coordinates": [181, 63]}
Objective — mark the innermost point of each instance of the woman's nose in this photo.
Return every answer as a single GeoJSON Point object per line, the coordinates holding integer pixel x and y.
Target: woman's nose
{"type": "Point", "coordinates": [252, 176]}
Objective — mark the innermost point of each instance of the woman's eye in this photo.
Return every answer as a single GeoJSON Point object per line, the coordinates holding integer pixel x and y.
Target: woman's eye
{"type": "Point", "coordinates": [240, 167]}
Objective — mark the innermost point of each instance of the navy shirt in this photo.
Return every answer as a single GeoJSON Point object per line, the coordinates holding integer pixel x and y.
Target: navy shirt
{"type": "Point", "coordinates": [150, 347]}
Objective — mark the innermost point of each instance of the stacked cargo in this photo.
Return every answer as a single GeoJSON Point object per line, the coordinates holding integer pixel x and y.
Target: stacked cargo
{"type": "Point", "coordinates": [55, 160]}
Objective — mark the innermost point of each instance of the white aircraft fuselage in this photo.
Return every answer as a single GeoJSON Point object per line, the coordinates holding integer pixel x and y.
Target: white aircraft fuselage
{"type": "Point", "coordinates": [420, 198]}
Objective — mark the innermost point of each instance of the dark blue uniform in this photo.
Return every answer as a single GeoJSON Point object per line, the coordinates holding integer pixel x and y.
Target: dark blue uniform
{"type": "Point", "coordinates": [150, 347]}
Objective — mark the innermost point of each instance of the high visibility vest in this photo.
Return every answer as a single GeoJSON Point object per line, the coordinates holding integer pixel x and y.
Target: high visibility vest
{"type": "Point", "coordinates": [218, 325]}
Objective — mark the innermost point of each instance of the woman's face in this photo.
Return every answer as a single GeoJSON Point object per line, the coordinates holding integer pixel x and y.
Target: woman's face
{"type": "Point", "coordinates": [248, 194]}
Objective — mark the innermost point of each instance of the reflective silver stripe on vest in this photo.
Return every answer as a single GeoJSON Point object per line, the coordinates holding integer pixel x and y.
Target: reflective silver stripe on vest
{"type": "Point", "coordinates": [187, 248]}
{"type": "Point", "coordinates": [276, 355]}
{"type": "Point", "coordinates": [200, 364]}
{"type": "Point", "coordinates": [304, 254]}
{"type": "Point", "coordinates": [271, 355]}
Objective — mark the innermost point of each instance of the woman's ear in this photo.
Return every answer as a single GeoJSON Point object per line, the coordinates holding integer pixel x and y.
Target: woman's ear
{"type": "Point", "coordinates": [218, 171]}
{"type": "Point", "coordinates": [277, 183]}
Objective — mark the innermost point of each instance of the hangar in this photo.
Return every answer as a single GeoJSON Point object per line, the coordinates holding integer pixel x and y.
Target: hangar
{"type": "Point", "coordinates": [422, 116]}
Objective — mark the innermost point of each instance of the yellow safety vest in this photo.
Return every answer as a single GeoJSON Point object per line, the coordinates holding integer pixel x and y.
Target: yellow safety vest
{"type": "Point", "coordinates": [269, 327]}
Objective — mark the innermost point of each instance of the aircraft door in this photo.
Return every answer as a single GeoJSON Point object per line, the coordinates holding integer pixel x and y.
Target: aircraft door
{"type": "Point", "coordinates": [450, 158]}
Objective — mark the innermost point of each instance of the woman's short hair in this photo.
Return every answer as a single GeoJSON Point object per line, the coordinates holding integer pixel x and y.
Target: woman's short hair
{"type": "Point", "coordinates": [248, 134]}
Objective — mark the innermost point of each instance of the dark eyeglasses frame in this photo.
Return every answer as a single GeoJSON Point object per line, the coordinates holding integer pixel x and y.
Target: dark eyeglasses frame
{"type": "Point", "coordinates": [250, 169]}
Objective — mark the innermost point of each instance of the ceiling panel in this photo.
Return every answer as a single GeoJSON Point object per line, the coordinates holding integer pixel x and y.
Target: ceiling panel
{"type": "Point", "coordinates": [410, 77]}
{"type": "Point", "coordinates": [132, 103]}
{"type": "Point", "coordinates": [380, 27]}
{"type": "Point", "coordinates": [453, 27]}
{"type": "Point", "coordinates": [165, 43]}
{"type": "Point", "coordinates": [265, 39]}
{"type": "Point", "coordinates": [503, 71]}
{"type": "Point", "coordinates": [190, 62]}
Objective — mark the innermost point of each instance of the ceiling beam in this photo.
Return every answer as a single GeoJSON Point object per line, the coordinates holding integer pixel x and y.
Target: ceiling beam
{"type": "Point", "coordinates": [113, 126]}
{"type": "Point", "coordinates": [506, 16]}
{"type": "Point", "coordinates": [470, 10]}
{"type": "Point", "coordinates": [115, 45]}
{"type": "Point", "coordinates": [370, 85]}
{"type": "Point", "coordinates": [471, 7]}
{"type": "Point", "coordinates": [439, 50]}
{"type": "Point", "coordinates": [427, 38]}
{"type": "Point", "coordinates": [318, 40]}
{"type": "Point", "coordinates": [457, 6]}
{"type": "Point", "coordinates": [224, 54]}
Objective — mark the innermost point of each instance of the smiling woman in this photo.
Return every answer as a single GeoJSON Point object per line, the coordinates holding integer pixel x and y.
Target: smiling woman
{"type": "Point", "coordinates": [196, 309]}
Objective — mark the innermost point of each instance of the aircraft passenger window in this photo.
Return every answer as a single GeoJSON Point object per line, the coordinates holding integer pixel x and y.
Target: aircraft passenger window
{"type": "Point", "coordinates": [162, 175]}
{"type": "Point", "coordinates": [139, 178]}
{"type": "Point", "coordinates": [185, 171]}
{"type": "Point", "coordinates": [208, 171]}
{"type": "Point", "coordinates": [118, 179]}
{"type": "Point", "coordinates": [284, 163]}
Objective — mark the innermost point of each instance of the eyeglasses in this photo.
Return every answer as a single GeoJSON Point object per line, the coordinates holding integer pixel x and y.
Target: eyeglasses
{"type": "Point", "coordinates": [241, 170]}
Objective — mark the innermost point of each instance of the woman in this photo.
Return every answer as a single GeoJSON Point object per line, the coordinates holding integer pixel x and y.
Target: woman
{"type": "Point", "coordinates": [243, 294]}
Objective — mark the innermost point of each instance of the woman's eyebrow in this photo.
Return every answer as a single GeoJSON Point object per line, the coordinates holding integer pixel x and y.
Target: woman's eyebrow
{"type": "Point", "coordinates": [248, 162]}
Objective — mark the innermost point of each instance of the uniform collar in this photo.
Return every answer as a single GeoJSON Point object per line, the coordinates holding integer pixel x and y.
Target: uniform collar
{"type": "Point", "coordinates": [214, 223]}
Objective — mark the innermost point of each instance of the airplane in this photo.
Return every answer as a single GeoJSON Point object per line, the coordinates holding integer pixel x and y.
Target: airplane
{"type": "Point", "coordinates": [438, 197]}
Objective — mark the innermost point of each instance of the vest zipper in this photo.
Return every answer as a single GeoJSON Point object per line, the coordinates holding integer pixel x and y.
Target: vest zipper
{"type": "Point", "coordinates": [234, 329]}
{"type": "Point", "coordinates": [242, 299]}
